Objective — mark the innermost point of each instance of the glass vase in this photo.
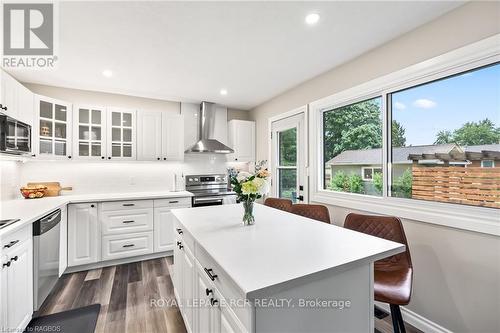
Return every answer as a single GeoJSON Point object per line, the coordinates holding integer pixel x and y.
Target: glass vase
{"type": "Point", "coordinates": [248, 218]}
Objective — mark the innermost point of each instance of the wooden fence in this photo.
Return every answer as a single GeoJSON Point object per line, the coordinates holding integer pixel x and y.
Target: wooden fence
{"type": "Point", "coordinates": [470, 186]}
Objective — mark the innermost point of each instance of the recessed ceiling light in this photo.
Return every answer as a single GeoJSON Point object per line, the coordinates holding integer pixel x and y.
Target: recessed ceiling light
{"type": "Point", "coordinates": [107, 73]}
{"type": "Point", "coordinates": [223, 92]}
{"type": "Point", "coordinates": [312, 18]}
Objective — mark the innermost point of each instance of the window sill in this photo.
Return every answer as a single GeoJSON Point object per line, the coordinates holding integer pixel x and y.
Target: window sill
{"type": "Point", "coordinates": [477, 219]}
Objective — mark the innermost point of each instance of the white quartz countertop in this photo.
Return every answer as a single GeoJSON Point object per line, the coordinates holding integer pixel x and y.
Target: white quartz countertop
{"type": "Point", "coordinates": [281, 249]}
{"type": "Point", "coordinates": [29, 210]}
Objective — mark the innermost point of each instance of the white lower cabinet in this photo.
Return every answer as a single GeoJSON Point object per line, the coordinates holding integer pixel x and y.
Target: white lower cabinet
{"type": "Point", "coordinates": [83, 234]}
{"type": "Point", "coordinates": [203, 307]}
{"type": "Point", "coordinates": [16, 279]}
{"type": "Point", "coordinates": [128, 245]}
{"type": "Point", "coordinates": [120, 229]}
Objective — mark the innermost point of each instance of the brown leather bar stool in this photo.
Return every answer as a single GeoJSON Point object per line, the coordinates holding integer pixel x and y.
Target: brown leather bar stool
{"type": "Point", "coordinates": [393, 275]}
{"type": "Point", "coordinates": [315, 212]}
{"type": "Point", "coordinates": [281, 204]}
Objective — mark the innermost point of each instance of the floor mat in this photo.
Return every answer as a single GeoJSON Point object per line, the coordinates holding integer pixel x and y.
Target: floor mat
{"type": "Point", "coordinates": [81, 320]}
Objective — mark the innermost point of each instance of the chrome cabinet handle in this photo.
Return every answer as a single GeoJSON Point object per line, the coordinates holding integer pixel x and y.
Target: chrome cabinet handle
{"type": "Point", "coordinates": [210, 274]}
{"type": "Point", "coordinates": [7, 264]}
{"type": "Point", "coordinates": [179, 231]}
{"type": "Point", "coordinates": [11, 244]}
{"type": "Point", "coordinates": [175, 201]}
{"type": "Point", "coordinates": [14, 258]}
{"type": "Point", "coordinates": [213, 301]}
{"type": "Point", "coordinates": [128, 245]}
{"type": "Point", "coordinates": [209, 291]}
{"type": "Point", "coordinates": [128, 205]}
{"type": "Point", "coordinates": [129, 221]}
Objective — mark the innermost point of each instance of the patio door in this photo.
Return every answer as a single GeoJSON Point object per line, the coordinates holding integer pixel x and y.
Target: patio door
{"type": "Point", "coordinates": [288, 157]}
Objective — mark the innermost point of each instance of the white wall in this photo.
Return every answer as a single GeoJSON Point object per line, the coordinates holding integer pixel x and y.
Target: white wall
{"type": "Point", "coordinates": [457, 272]}
{"type": "Point", "coordinates": [10, 177]}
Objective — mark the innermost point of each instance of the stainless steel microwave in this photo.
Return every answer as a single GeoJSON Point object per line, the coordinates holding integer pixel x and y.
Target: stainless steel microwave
{"type": "Point", "coordinates": [15, 136]}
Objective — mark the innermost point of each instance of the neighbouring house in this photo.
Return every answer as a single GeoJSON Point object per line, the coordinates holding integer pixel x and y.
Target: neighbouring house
{"type": "Point", "coordinates": [367, 162]}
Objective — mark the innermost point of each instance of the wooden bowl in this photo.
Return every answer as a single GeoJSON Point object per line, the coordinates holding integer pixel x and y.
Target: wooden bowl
{"type": "Point", "coordinates": [33, 192]}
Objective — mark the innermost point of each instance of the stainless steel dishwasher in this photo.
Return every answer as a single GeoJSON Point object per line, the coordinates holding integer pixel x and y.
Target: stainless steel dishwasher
{"type": "Point", "coordinates": [46, 238]}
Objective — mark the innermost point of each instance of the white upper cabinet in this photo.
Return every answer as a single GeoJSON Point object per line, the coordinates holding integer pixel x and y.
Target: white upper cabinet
{"type": "Point", "coordinates": [16, 100]}
{"type": "Point", "coordinates": [160, 136]}
{"type": "Point", "coordinates": [149, 135]}
{"type": "Point", "coordinates": [172, 137]}
{"type": "Point", "coordinates": [242, 140]}
{"type": "Point", "coordinates": [52, 130]}
{"type": "Point", "coordinates": [121, 135]}
{"type": "Point", "coordinates": [89, 128]}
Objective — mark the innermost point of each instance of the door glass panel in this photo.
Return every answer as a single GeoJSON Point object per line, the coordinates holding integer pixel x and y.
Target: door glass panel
{"type": "Point", "coordinates": [83, 116]}
{"type": "Point", "coordinates": [127, 150]}
{"type": "Point", "coordinates": [60, 130]}
{"type": "Point", "coordinates": [116, 150]}
{"type": "Point", "coordinates": [60, 112]}
{"type": "Point", "coordinates": [45, 128]}
{"type": "Point", "coordinates": [127, 135]}
{"type": "Point", "coordinates": [115, 119]}
{"type": "Point", "coordinates": [288, 147]}
{"type": "Point", "coordinates": [288, 183]}
{"type": "Point", "coordinates": [83, 132]}
{"type": "Point", "coordinates": [96, 149]}
{"type": "Point", "coordinates": [60, 148]}
{"type": "Point", "coordinates": [127, 119]}
{"type": "Point", "coordinates": [96, 117]}
{"type": "Point", "coordinates": [45, 110]}
{"type": "Point", "coordinates": [45, 146]}
{"type": "Point", "coordinates": [83, 149]}
{"type": "Point", "coordinates": [116, 134]}
{"type": "Point", "coordinates": [95, 133]}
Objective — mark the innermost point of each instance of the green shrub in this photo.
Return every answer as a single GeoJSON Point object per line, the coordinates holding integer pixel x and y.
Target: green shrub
{"type": "Point", "coordinates": [402, 185]}
{"type": "Point", "coordinates": [346, 183]}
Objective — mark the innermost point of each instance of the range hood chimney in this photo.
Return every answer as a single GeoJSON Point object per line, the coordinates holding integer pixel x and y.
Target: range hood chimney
{"type": "Point", "coordinates": [206, 125]}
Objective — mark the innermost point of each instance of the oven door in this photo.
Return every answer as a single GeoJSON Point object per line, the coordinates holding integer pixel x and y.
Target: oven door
{"type": "Point", "coordinates": [15, 136]}
{"type": "Point", "coordinates": [207, 201]}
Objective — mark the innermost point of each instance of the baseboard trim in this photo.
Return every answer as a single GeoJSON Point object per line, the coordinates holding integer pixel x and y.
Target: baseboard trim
{"type": "Point", "coordinates": [115, 262]}
{"type": "Point", "coordinates": [416, 320]}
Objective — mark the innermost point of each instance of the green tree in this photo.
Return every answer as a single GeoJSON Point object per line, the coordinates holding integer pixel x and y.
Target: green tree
{"type": "Point", "coordinates": [378, 182]}
{"type": "Point", "coordinates": [346, 183]}
{"type": "Point", "coordinates": [398, 135]}
{"type": "Point", "coordinates": [357, 126]}
{"type": "Point", "coordinates": [471, 133]}
{"type": "Point", "coordinates": [403, 184]}
{"type": "Point", "coordinates": [443, 137]}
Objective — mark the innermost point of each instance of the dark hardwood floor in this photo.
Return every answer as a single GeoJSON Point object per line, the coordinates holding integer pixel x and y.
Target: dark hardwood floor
{"type": "Point", "coordinates": [125, 293]}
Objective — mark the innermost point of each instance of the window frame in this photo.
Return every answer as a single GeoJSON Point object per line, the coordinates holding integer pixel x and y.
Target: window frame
{"type": "Point", "coordinates": [492, 163]}
{"type": "Point", "coordinates": [479, 219]}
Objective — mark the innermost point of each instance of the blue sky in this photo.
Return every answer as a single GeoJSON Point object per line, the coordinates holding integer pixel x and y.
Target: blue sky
{"type": "Point", "coordinates": [448, 104]}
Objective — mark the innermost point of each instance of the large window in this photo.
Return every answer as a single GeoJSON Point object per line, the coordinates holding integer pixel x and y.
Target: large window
{"type": "Point", "coordinates": [352, 137]}
{"type": "Point", "coordinates": [447, 132]}
{"type": "Point", "coordinates": [443, 142]}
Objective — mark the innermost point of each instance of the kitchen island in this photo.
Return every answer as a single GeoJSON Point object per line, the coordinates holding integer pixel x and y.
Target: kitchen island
{"type": "Point", "coordinates": [286, 273]}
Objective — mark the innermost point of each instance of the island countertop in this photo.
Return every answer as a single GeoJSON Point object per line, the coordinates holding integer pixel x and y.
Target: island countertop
{"type": "Point", "coordinates": [281, 249]}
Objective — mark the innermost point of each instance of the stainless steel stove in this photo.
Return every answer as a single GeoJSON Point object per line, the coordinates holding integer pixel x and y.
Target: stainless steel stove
{"type": "Point", "coordinates": [210, 190]}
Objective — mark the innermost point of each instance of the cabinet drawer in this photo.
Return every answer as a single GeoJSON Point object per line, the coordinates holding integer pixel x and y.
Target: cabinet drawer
{"type": "Point", "coordinates": [15, 238]}
{"type": "Point", "coordinates": [129, 245]}
{"type": "Point", "coordinates": [184, 236]}
{"type": "Point", "coordinates": [132, 204]}
{"type": "Point", "coordinates": [173, 202]}
{"type": "Point", "coordinates": [127, 221]}
{"type": "Point", "coordinates": [225, 285]}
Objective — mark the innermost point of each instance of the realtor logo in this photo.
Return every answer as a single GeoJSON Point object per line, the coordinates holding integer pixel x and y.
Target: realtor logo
{"type": "Point", "coordinates": [28, 35]}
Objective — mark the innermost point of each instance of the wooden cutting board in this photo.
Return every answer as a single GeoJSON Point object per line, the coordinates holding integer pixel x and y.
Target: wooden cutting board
{"type": "Point", "coordinates": [53, 188]}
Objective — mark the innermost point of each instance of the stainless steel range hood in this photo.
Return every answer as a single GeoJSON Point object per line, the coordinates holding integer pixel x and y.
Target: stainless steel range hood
{"type": "Point", "coordinates": [206, 124]}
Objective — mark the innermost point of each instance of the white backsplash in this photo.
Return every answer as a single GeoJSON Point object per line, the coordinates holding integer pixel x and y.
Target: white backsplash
{"type": "Point", "coordinates": [10, 179]}
{"type": "Point", "coordinates": [102, 177]}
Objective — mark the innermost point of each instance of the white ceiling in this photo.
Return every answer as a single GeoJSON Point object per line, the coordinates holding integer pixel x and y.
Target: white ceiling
{"type": "Point", "coordinates": [188, 51]}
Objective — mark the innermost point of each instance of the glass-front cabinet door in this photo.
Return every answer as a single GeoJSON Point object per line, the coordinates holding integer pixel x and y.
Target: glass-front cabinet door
{"type": "Point", "coordinates": [89, 132]}
{"type": "Point", "coordinates": [121, 134]}
{"type": "Point", "coordinates": [53, 131]}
